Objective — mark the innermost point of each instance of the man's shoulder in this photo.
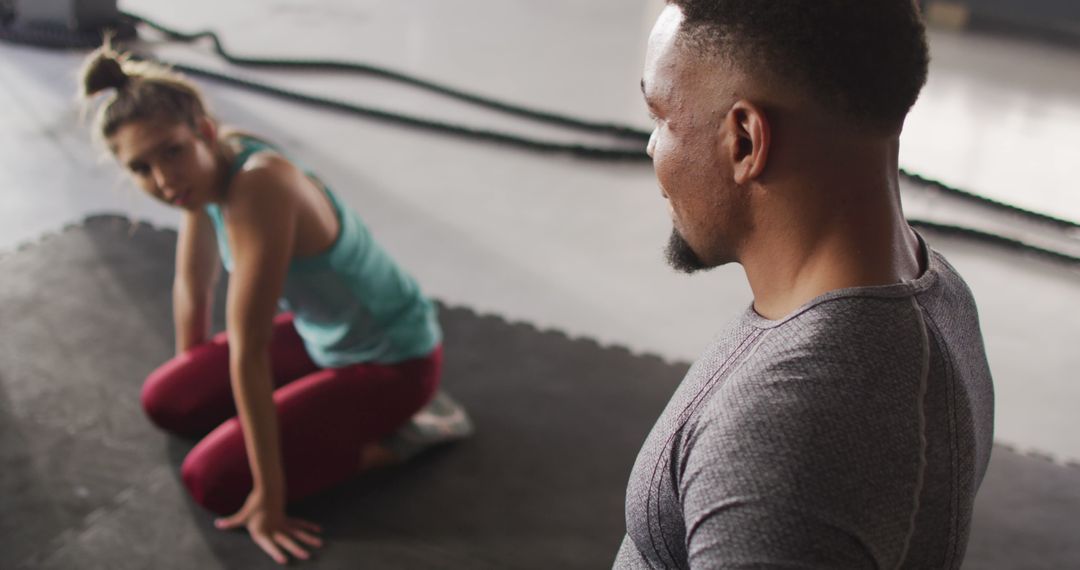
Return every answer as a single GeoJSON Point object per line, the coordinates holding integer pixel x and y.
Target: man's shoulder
{"type": "Point", "coordinates": [857, 361]}
{"type": "Point", "coordinates": [841, 336]}
{"type": "Point", "coordinates": [821, 394]}
{"type": "Point", "coordinates": [855, 341]}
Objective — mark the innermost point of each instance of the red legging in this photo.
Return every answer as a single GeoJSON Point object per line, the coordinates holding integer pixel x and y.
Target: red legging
{"type": "Point", "coordinates": [325, 416]}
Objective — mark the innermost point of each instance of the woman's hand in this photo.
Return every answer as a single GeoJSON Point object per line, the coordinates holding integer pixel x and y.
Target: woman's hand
{"type": "Point", "coordinates": [271, 530]}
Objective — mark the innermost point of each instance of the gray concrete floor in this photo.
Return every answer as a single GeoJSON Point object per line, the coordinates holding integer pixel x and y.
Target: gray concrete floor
{"type": "Point", "coordinates": [568, 244]}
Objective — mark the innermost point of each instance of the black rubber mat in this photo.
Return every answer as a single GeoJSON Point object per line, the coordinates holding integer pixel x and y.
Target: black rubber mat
{"type": "Point", "coordinates": [86, 482]}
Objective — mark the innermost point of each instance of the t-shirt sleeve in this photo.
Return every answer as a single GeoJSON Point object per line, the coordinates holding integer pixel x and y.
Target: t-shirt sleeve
{"type": "Point", "coordinates": [755, 533]}
{"type": "Point", "coordinates": [629, 557]}
{"type": "Point", "coordinates": [805, 464]}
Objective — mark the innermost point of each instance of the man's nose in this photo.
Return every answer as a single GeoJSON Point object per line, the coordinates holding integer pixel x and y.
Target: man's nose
{"type": "Point", "coordinates": [652, 144]}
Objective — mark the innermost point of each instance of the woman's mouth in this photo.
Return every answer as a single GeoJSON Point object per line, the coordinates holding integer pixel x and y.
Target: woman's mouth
{"type": "Point", "coordinates": [181, 199]}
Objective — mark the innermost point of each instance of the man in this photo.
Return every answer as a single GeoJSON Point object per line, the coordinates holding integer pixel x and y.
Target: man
{"type": "Point", "coordinates": [845, 420]}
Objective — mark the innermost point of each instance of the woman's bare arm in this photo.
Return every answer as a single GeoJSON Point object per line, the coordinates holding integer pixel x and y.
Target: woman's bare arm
{"type": "Point", "coordinates": [261, 220]}
{"type": "Point", "coordinates": [198, 268]}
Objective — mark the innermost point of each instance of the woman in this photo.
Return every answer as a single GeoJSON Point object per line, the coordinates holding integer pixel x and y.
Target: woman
{"type": "Point", "coordinates": [293, 403]}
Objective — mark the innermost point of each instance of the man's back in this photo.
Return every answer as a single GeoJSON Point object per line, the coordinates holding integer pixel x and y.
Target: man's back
{"type": "Point", "coordinates": [853, 433]}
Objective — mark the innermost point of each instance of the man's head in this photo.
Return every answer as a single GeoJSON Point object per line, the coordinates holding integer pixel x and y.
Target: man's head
{"type": "Point", "coordinates": [729, 80]}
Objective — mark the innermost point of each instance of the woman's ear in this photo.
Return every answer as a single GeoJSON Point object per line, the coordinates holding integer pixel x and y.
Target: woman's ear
{"type": "Point", "coordinates": [749, 140]}
{"type": "Point", "coordinates": [206, 129]}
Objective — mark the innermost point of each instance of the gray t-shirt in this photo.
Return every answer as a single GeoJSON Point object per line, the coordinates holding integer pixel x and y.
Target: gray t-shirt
{"type": "Point", "coordinates": [853, 433]}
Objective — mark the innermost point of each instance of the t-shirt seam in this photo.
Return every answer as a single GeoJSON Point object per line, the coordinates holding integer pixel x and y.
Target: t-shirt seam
{"type": "Point", "coordinates": [902, 290]}
{"type": "Point", "coordinates": [725, 368]}
{"type": "Point", "coordinates": [801, 312]}
{"type": "Point", "coordinates": [953, 443]}
{"type": "Point", "coordinates": [920, 479]}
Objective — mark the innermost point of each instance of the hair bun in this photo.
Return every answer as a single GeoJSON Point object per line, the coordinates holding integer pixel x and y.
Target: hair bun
{"type": "Point", "coordinates": [103, 71]}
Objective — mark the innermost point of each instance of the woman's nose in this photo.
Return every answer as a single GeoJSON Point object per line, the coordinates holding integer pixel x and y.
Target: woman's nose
{"type": "Point", "coordinates": [163, 183]}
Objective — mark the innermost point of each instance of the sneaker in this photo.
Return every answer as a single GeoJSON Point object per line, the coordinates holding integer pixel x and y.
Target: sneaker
{"type": "Point", "coordinates": [442, 420]}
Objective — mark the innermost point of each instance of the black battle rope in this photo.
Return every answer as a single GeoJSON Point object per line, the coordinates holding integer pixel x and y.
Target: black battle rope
{"type": "Point", "coordinates": [397, 77]}
{"type": "Point", "coordinates": [56, 39]}
{"type": "Point", "coordinates": [1059, 223]}
{"type": "Point", "coordinates": [992, 238]}
{"type": "Point", "coordinates": [581, 151]}
{"type": "Point", "coordinates": [578, 150]}
{"type": "Point", "coordinates": [621, 131]}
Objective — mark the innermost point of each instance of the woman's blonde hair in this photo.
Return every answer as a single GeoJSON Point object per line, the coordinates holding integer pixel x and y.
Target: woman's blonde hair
{"type": "Point", "coordinates": [142, 91]}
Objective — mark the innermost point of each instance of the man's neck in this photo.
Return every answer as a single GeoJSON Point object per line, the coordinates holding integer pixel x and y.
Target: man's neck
{"type": "Point", "coordinates": [835, 234]}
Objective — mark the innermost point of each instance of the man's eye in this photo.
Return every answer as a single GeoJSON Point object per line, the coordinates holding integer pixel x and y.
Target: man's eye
{"type": "Point", "coordinates": [140, 169]}
{"type": "Point", "coordinates": [173, 150]}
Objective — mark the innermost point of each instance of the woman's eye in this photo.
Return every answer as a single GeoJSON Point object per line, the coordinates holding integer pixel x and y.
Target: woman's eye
{"type": "Point", "coordinates": [140, 169]}
{"type": "Point", "coordinates": [173, 150]}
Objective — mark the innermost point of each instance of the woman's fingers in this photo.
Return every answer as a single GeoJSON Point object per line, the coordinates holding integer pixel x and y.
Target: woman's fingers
{"type": "Point", "coordinates": [306, 537]}
{"type": "Point", "coordinates": [276, 543]}
{"type": "Point", "coordinates": [228, 523]}
{"type": "Point", "coordinates": [289, 544]}
{"type": "Point", "coordinates": [270, 548]}
{"type": "Point", "coordinates": [306, 525]}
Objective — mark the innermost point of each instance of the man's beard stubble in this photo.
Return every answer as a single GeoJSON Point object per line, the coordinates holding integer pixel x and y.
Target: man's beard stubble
{"type": "Point", "coordinates": [681, 256]}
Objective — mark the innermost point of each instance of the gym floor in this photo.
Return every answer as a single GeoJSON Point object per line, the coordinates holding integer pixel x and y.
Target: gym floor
{"type": "Point", "coordinates": [568, 244]}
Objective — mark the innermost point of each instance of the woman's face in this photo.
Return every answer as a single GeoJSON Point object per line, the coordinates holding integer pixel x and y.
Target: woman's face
{"type": "Point", "coordinates": [171, 161]}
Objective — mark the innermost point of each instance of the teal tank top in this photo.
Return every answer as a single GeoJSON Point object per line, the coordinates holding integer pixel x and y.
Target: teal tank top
{"type": "Point", "coordinates": [351, 303]}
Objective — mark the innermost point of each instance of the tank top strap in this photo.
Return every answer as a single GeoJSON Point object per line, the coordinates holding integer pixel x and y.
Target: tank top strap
{"type": "Point", "coordinates": [248, 147]}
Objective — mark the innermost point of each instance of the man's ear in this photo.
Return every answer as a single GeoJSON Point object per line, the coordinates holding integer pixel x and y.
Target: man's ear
{"type": "Point", "coordinates": [748, 140]}
{"type": "Point", "coordinates": [206, 129]}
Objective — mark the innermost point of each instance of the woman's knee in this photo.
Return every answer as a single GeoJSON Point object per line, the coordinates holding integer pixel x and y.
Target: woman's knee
{"type": "Point", "coordinates": [212, 483]}
{"type": "Point", "coordinates": [159, 402]}
{"type": "Point", "coordinates": [189, 395]}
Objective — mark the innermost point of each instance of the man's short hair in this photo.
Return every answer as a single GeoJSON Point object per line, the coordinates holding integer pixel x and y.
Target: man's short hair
{"type": "Point", "coordinates": [863, 59]}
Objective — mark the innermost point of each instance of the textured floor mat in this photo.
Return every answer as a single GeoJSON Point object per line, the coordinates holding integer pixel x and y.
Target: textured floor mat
{"type": "Point", "coordinates": [86, 482]}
